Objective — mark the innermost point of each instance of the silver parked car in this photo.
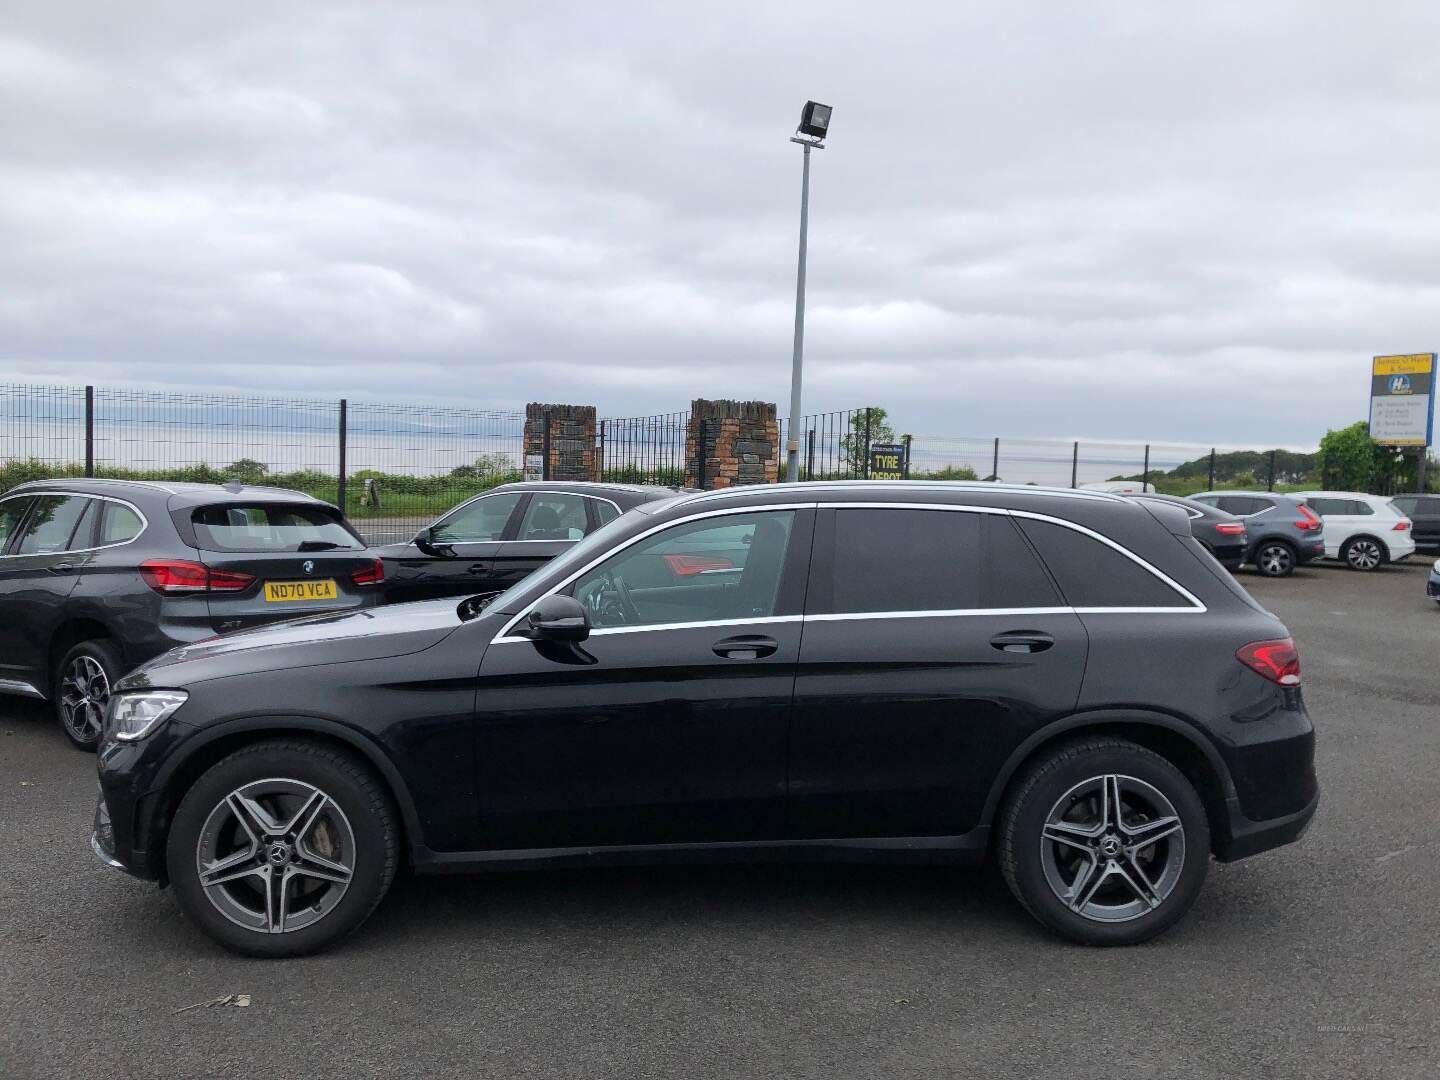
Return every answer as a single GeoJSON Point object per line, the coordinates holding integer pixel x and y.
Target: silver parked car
{"type": "Point", "coordinates": [1284, 533]}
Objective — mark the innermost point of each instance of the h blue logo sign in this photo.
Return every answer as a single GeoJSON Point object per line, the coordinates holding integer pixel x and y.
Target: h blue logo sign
{"type": "Point", "coordinates": [1399, 384]}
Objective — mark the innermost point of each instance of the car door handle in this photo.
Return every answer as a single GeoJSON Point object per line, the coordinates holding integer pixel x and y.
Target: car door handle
{"type": "Point", "coordinates": [1022, 641]}
{"type": "Point", "coordinates": [62, 568]}
{"type": "Point", "coordinates": [745, 647]}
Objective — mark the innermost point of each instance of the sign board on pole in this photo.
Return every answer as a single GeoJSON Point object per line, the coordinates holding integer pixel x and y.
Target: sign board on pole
{"type": "Point", "coordinates": [887, 461]}
{"type": "Point", "coordinates": [1402, 400]}
{"type": "Point", "coordinates": [534, 466]}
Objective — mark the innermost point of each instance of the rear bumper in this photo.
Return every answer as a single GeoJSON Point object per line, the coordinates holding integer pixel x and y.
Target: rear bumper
{"type": "Point", "coordinates": [1248, 837]}
{"type": "Point", "coordinates": [1310, 551]}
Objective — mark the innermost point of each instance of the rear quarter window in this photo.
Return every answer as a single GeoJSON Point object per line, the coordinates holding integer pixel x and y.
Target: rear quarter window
{"type": "Point", "coordinates": [1092, 574]}
{"type": "Point", "coordinates": [270, 527]}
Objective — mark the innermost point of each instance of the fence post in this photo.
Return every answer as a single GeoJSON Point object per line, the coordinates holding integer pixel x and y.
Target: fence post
{"type": "Point", "coordinates": [344, 439]}
{"type": "Point", "coordinates": [600, 451]}
{"type": "Point", "coordinates": [545, 446]}
{"type": "Point", "coordinates": [1420, 469]}
{"type": "Point", "coordinates": [810, 455]}
{"type": "Point", "coordinates": [1145, 477]}
{"type": "Point", "coordinates": [1211, 486]}
{"type": "Point", "coordinates": [1075, 465]}
{"type": "Point", "coordinates": [995, 463]}
{"type": "Point", "coordinates": [865, 462]}
{"type": "Point", "coordinates": [700, 426]}
{"type": "Point", "coordinates": [1271, 483]}
{"type": "Point", "coordinates": [89, 431]}
{"type": "Point", "coordinates": [905, 464]}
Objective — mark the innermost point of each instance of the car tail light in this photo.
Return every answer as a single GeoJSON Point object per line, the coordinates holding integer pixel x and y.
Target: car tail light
{"type": "Point", "coordinates": [690, 565]}
{"type": "Point", "coordinates": [1276, 660]}
{"type": "Point", "coordinates": [373, 574]}
{"type": "Point", "coordinates": [176, 577]}
{"type": "Point", "coordinates": [1401, 526]}
{"type": "Point", "coordinates": [1307, 519]}
{"type": "Point", "coordinates": [1230, 528]}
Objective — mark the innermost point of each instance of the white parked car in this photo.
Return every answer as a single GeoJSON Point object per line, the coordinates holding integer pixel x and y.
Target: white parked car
{"type": "Point", "coordinates": [1362, 531]}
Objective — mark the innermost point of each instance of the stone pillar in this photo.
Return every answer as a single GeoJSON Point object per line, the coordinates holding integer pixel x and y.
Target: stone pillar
{"type": "Point", "coordinates": [740, 444]}
{"type": "Point", "coordinates": [567, 434]}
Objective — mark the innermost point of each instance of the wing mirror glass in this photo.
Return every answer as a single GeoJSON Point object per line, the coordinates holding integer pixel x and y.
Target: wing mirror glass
{"type": "Point", "coordinates": [558, 618]}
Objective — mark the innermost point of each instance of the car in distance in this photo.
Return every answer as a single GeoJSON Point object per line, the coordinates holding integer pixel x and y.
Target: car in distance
{"type": "Point", "coordinates": [97, 576]}
{"type": "Point", "coordinates": [884, 671]}
{"type": "Point", "coordinates": [1222, 534]}
{"type": "Point", "coordinates": [1363, 531]}
{"type": "Point", "coordinates": [1424, 513]}
{"type": "Point", "coordinates": [1432, 587]}
{"type": "Point", "coordinates": [1283, 532]}
{"type": "Point", "coordinates": [491, 541]}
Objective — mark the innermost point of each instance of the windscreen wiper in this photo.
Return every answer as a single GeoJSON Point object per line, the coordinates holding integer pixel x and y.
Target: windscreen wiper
{"type": "Point", "coordinates": [318, 545]}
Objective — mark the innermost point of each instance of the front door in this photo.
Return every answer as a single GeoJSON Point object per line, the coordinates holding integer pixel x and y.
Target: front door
{"type": "Point", "coordinates": [35, 578]}
{"type": "Point", "coordinates": [934, 641]}
{"type": "Point", "coordinates": [458, 557]}
{"type": "Point", "coordinates": [669, 724]}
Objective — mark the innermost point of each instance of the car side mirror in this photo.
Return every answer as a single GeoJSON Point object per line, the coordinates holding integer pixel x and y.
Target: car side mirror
{"type": "Point", "coordinates": [558, 618]}
{"type": "Point", "coordinates": [425, 541]}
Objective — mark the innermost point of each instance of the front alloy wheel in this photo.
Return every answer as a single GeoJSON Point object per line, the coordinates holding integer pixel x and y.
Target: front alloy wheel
{"type": "Point", "coordinates": [1363, 554]}
{"type": "Point", "coordinates": [284, 847]}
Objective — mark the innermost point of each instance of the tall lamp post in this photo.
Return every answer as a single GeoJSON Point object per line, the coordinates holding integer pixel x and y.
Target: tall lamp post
{"type": "Point", "coordinates": [814, 125]}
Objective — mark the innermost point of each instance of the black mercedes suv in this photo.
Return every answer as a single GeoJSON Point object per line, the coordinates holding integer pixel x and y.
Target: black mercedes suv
{"type": "Point", "coordinates": [98, 576]}
{"type": "Point", "coordinates": [1065, 681]}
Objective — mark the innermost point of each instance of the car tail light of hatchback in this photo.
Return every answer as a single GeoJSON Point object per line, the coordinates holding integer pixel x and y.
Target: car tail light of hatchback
{"type": "Point", "coordinates": [1276, 660]}
{"type": "Point", "coordinates": [1401, 526]}
{"type": "Point", "coordinates": [1307, 519]}
{"type": "Point", "coordinates": [691, 565]}
{"type": "Point", "coordinates": [1230, 528]}
{"type": "Point", "coordinates": [177, 577]}
{"type": "Point", "coordinates": [373, 574]}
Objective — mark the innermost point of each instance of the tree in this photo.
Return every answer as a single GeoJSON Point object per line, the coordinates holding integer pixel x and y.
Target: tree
{"type": "Point", "coordinates": [1351, 461]}
{"type": "Point", "coordinates": [852, 445]}
{"type": "Point", "coordinates": [246, 470]}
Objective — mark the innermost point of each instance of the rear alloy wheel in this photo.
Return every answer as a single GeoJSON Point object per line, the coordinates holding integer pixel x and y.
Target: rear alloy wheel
{"type": "Point", "coordinates": [1105, 842]}
{"type": "Point", "coordinates": [1363, 553]}
{"type": "Point", "coordinates": [283, 848]}
{"type": "Point", "coordinates": [82, 690]}
{"type": "Point", "coordinates": [1275, 558]}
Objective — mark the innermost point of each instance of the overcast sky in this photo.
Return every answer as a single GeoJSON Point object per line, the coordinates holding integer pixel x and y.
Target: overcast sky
{"type": "Point", "coordinates": [1127, 220]}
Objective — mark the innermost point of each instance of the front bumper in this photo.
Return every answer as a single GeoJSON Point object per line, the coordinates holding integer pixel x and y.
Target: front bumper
{"type": "Point", "coordinates": [102, 835]}
{"type": "Point", "coordinates": [1432, 587]}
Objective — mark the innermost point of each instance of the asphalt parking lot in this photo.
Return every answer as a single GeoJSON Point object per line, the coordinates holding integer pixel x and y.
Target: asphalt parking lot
{"type": "Point", "coordinates": [1314, 961]}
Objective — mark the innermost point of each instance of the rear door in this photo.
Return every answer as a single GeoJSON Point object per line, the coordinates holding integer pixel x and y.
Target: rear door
{"type": "Point", "coordinates": [37, 574]}
{"type": "Point", "coordinates": [460, 557]}
{"type": "Point", "coordinates": [548, 524]}
{"type": "Point", "coordinates": [1427, 521]}
{"type": "Point", "coordinates": [934, 643]}
{"type": "Point", "coordinates": [270, 561]}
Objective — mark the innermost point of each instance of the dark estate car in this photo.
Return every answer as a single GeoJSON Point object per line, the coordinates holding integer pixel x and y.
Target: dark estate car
{"type": "Point", "coordinates": [1424, 511]}
{"type": "Point", "coordinates": [1282, 531]}
{"type": "Point", "coordinates": [1064, 680]}
{"type": "Point", "coordinates": [491, 541]}
{"type": "Point", "coordinates": [98, 576]}
{"type": "Point", "coordinates": [1222, 534]}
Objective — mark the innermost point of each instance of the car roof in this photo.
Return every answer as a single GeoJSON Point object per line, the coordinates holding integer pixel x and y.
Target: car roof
{"type": "Point", "coordinates": [590, 487]}
{"type": "Point", "coordinates": [1024, 496]}
{"type": "Point", "coordinates": [1341, 495]}
{"type": "Point", "coordinates": [178, 494]}
{"type": "Point", "coordinates": [1257, 494]}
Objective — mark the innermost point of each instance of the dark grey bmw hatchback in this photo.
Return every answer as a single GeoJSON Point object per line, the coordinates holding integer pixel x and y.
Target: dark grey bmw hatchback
{"type": "Point", "coordinates": [1064, 681]}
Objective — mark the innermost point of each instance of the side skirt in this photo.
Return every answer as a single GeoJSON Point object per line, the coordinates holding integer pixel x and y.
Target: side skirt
{"type": "Point", "coordinates": [967, 849]}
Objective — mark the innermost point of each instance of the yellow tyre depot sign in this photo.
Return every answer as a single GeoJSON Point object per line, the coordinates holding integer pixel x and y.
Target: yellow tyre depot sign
{"type": "Point", "coordinates": [1402, 401]}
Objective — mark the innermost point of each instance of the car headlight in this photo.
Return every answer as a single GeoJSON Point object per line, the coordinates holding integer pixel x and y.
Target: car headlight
{"type": "Point", "coordinates": [135, 714]}
{"type": "Point", "coordinates": [1437, 566]}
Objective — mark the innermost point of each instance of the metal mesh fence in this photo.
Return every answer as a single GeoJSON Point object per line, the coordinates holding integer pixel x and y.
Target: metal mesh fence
{"type": "Point", "coordinates": [643, 449]}
{"type": "Point", "coordinates": [42, 432]}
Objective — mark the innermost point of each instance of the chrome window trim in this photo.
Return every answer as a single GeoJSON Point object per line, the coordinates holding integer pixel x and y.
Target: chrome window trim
{"type": "Point", "coordinates": [1195, 605]}
{"type": "Point", "coordinates": [144, 522]}
{"type": "Point", "coordinates": [619, 511]}
{"type": "Point", "coordinates": [756, 621]}
{"type": "Point", "coordinates": [503, 637]}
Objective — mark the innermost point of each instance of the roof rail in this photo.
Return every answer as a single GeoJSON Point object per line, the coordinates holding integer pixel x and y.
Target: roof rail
{"type": "Point", "coordinates": [911, 485]}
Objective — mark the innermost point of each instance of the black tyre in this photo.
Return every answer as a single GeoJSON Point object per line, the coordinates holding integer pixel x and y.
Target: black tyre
{"type": "Point", "coordinates": [82, 689]}
{"type": "Point", "coordinates": [1104, 842]}
{"type": "Point", "coordinates": [1274, 558]}
{"type": "Point", "coordinates": [1364, 553]}
{"type": "Point", "coordinates": [283, 848]}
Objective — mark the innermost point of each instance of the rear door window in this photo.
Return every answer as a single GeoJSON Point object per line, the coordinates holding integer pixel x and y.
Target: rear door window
{"type": "Point", "coordinates": [1359, 509]}
{"type": "Point", "coordinates": [553, 517]}
{"type": "Point", "coordinates": [1243, 505]}
{"type": "Point", "coordinates": [484, 519]}
{"type": "Point", "coordinates": [271, 527]}
{"type": "Point", "coordinates": [1405, 504]}
{"type": "Point", "coordinates": [11, 511]}
{"type": "Point", "coordinates": [907, 560]}
{"type": "Point", "coordinates": [605, 511]}
{"type": "Point", "coordinates": [1092, 574]}
{"type": "Point", "coordinates": [51, 525]}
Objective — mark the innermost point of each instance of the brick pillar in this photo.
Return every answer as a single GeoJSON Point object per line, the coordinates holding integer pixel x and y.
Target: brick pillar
{"type": "Point", "coordinates": [741, 444]}
{"type": "Point", "coordinates": [570, 439]}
